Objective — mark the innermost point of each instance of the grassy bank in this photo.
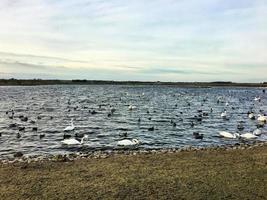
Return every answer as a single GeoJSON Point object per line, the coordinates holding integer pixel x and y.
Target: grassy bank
{"type": "Point", "coordinates": [215, 174]}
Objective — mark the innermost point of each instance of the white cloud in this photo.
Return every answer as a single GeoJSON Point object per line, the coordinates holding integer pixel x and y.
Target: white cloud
{"type": "Point", "coordinates": [135, 36]}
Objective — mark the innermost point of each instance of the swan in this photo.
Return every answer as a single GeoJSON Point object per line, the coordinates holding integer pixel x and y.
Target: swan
{"type": "Point", "coordinates": [262, 118]}
{"type": "Point", "coordinates": [257, 132]}
{"type": "Point", "coordinates": [248, 136]}
{"type": "Point", "coordinates": [127, 142]}
{"type": "Point", "coordinates": [224, 114]}
{"type": "Point", "coordinates": [73, 141]}
{"type": "Point", "coordinates": [131, 107]}
{"type": "Point", "coordinates": [71, 127]}
{"type": "Point", "coordinates": [228, 135]}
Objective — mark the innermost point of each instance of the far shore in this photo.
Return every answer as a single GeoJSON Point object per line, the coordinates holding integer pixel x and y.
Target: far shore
{"type": "Point", "coordinates": [237, 172]}
{"type": "Point", "coordinates": [36, 82]}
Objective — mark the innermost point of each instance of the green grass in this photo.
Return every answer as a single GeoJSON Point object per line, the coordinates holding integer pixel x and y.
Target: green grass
{"type": "Point", "coordinates": [233, 174]}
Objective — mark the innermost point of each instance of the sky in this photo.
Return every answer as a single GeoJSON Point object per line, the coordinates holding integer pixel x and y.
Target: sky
{"type": "Point", "coordinates": [143, 40]}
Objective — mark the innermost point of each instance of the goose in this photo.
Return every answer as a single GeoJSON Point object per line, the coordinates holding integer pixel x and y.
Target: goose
{"type": "Point", "coordinates": [71, 127]}
{"type": "Point", "coordinates": [248, 136]}
{"type": "Point", "coordinates": [262, 118]}
{"type": "Point", "coordinates": [127, 142]}
{"type": "Point", "coordinates": [73, 141]}
{"type": "Point", "coordinates": [228, 135]}
{"type": "Point", "coordinates": [257, 132]}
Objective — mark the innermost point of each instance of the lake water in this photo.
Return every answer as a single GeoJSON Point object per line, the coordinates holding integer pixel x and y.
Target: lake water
{"type": "Point", "coordinates": [52, 107]}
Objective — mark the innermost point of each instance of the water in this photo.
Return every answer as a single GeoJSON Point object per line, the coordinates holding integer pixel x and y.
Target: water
{"type": "Point", "coordinates": [56, 105]}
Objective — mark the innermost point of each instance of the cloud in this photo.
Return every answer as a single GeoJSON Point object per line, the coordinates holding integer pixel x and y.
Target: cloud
{"type": "Point", "coordinates": [93, 38]}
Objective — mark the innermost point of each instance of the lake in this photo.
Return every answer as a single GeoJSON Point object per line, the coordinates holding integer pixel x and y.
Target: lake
{"type": "Point", "coordinates": [191, 109]}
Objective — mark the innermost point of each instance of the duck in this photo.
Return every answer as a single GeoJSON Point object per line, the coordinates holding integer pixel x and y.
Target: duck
{"type": "Point", "coordinates": [228, 135]}
{"type": "Point", "coordinates": [42, 135]}
{"type": "Point", "coordinates": [151, 128]}
{"type": "Point", "coordinates": [73, 141]}
{"type": "Point", "coordinates": [198, 136]}
{"type": "Point", "coordinates": [70, 128]}
{"type": "Point", "coordinates": [127, 142]}
{"type": "Point", "coordinates": [251, 116]}
{"type": "Point", "coordinates": [240, 126]}
{"type": "Point", "coordinates": [257, 99]}
{"type": "Point", "coordinates": [112, 110]}
{"type": "Point", "coordinates": [248, 136]}
{"type": "Point", "coordinates": [123, 134]}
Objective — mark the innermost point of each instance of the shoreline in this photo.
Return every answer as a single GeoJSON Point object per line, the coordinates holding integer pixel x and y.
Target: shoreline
{"type": "Point", "coordinates": [102, 154]}
{"type": "Point", "coordinates": [235, 173]}
{"type": "Point", "coordinates": [38, 82]}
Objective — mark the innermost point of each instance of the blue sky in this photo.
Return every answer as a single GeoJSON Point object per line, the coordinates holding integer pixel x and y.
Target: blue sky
{"type": "Point", "coordinates": [166, 40]}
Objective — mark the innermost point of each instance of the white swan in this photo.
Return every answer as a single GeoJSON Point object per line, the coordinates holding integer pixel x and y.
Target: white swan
{"type": "Point", "coordinates": [262, 118]}
{"type": "Point", "coordinates": [228, 135]}
{"type": "Point", "coordinates": [248, 136]}
{"type": "Point", "coordinates": [131, 107]}
{"type": "Point", "coordinates": [224, 114]}
{"type": "Point", "coordinates": [127, 142]}
{"type": "Point", "coordinates": [71, 127]}
{"type": "Point", "coordinates": [257, 132]}
{"type": "Point", "coordinates": [73, 141]}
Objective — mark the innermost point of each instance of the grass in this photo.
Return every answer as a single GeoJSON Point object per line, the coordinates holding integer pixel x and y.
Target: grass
{"type": "Point", "coordinates": [233, 174]}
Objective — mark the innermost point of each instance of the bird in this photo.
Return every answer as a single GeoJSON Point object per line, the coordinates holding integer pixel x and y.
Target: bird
{"type": "Point", "coordinates": [127, 142]}
{"type": "Point", "coordinates": [93, 112]}
{"type": "Point", "coordinates": [42, 135]}
{"type": "Point", "coordinates": [257, 132]}
{"type": "Point", "coordinates": [34, 129]}
{"type": "Point", "coordinates": [131, 107]}
{"type": "Point", "coordinates": [66, 136]}
{"type": "Point", "coordinates": [124, 134]}
{"type": "Point", "coordinates": [18, 135]}
{"type": "Point", "coordinates": [73, 141]}
{"type": "Point", "coordinates": [240, 126]}
{"type": "Point", "coordinates": [248, 136]}
{"type": "Point", "coordinates": [262, 118]}
{"type": "Point", "coordinates": [251, 116]}
{"type": "Point", "coordinates": [71, 127]}
{"type": "Point", "coordinates": [112, 110]}
{"type": "Point", "coordinates": [228, 135]}
{"type": "Point", "coordinates": [224, 114]}
{"type": "Point", "coordinates": [257, 99]}
{"type": "Point", "coordinates": [198, 136]}
{"type": "Point", "coordinates": [151, 128]}
{"type": "Point", "coordinates": [22, 128]}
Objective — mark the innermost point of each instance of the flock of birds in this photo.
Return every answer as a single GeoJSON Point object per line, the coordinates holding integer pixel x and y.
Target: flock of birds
{"type": "Point", "coordinates": [68, 140]}
{"type": "Point", "coordinates": [262, 119]}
